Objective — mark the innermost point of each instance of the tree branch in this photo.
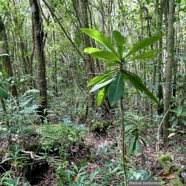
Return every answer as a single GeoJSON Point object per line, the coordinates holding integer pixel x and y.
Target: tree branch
{"type": "Point", "coordinates": [66, 34]}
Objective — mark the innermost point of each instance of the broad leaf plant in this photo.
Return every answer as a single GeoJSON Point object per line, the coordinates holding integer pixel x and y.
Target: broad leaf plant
{"type": "Point", "coordinates": [112, 82]}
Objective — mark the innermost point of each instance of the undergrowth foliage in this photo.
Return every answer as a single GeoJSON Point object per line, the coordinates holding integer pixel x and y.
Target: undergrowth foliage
{"type": "Point", "coordinates": [57, 148]}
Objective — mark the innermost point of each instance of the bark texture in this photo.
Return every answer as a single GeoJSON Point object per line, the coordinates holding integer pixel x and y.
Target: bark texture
{"type": "Point", "coordinates": [39, 51]}
{"type": "Point", "coordinates": [81, 8]}
{"type": "Point", "coordinates": [169, 68]}
{"type": "Point", "coordinates": [159, 18]}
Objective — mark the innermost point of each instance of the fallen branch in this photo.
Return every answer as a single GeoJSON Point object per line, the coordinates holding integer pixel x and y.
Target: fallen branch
{"type": "Point", "coordinates": [32, 155]}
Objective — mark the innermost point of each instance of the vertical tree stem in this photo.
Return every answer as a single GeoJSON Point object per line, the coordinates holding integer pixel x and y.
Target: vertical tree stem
{"type": "Point", "coordinates": [123, 140]}
{"type": "Point", "coordinates": [6, 121]}
{"type": "Point", "coordinates": [169, 68]}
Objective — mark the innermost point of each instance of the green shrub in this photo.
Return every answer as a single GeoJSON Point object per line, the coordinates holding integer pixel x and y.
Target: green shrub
{"type": "Point", "coordinates": [60, 138]}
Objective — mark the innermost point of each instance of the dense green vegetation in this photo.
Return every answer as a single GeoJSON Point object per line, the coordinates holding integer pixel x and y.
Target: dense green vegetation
{"type": "Point", "coordinates": [92, 92]}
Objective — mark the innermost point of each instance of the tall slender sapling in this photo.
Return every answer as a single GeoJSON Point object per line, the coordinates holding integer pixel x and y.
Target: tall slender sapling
{"type": "Point", "coordinates": [112, 82]}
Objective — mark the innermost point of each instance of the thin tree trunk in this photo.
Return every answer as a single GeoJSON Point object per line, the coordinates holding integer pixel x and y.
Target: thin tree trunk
{"type": "Point", "coordinates": [102, 17]}
{"type": "Point", "coordinates": [81, 8]}
{"type": "Point", "coordinates": [169, 68]}
{"type": "Point", "coordinates": [55, 67]}
{"type": "Point", "coordinates": [88, 59]}
{"type": "Point", "coordinates": [4, 49]}
{"type": "Point", "coordinates": [159, 17]}
{"type": "Point", "coordinates": [183, 97]}
{"type": "Point", "coordinates": [39, 49]}
{"type": "Point", "coordinates": [124, 161]}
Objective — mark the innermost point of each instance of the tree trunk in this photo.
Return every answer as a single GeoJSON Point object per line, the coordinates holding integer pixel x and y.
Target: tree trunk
{"type": "Point", "coordinates": [39, 51]}
{"type": "Point", "coordinates": [81, 8]}
{"type": "Point", "coordinates": [159, 18]}
{"type": "Point", "coordinates": [55, 87]}
{"type": "Point", "coordinates": [183, 94]}
{"type": "Point", "coordinates": [7, 65]}
{"type": "Point", "coordinates": [169, 68]}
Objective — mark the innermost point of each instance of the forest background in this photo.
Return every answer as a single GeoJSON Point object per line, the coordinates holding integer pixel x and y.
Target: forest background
{"type": "Point", "coordinates": [44, 93]}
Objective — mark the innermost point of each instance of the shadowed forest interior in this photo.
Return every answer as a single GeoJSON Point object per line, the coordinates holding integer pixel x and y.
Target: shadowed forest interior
{"type": "Point", "coordinates": [92, 92]}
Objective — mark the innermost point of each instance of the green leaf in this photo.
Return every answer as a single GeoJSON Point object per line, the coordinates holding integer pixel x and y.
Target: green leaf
{"type": "Point", "coordinates": [183, 114]}
{"type": "Point", "coordinates": [81, 169]}
{"type": "Point", "coordinates": [175, 123]}
{"type": "Point", "coordinates": [184, 122]}
{"type": "Point", "coordinates": [119, 39]}
{"type": "Point", "coordinates": [98, 36]}
{"type": "Point", "coordinates": [112, 64]}
{"type": "Point", "coordinates": [102, 94]}
{"type": "Point", "coordinates": [115, 170]}
{"type": "Point", "coordinates": [143, 43]}
{"type": "Point", "coordinates": [90, 50]}
{"type": "Point", "coordinates": [150, 84]}
{"type": "Point", "coordinates": [128, 127]}
{"type": "Point", "coordinates": [144, 142]}
{"type": "Point", "coordinates": [179, 109]}
{"type": "Point", "coordinates": [137, 176]}
{"type": "Point", "coordinates": [3, 93]}
{"type": "Point", "coordinates": [147, 140]}
{"type": "Point", "coordinates": [137, 148]}
{"type": "Point", "coordinates": [135, 81]}
{"type": "Point", "coordinates": [145, 175]}
{"type": "Point", "coordinates": [101, 78]}
{"type": "Point", "coordinates": [131, 146]}
{"type": "Point", "coordinates": [116, 89]}
{"type": "Point", "coordinates": [146, 55]}
{"type": "Point", "coordinates": [101, 85]}
{"type": "Point", "coordinates": [93, 175]}
{"type": "Point", "coordinates": [138, 84]}
{"type": "Point", "coordinates": [4, 73]}
{"type": "Point", "coordinates": [105, 55]}
{"type": "Point", "coordinates": [127, 138]}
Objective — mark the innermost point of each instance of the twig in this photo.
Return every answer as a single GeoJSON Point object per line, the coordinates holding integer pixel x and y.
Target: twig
{"type": "Point", "coordinates": [31, 154]}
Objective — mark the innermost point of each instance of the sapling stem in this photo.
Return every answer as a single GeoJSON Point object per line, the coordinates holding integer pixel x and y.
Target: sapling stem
{"type": "Point", "coordinates": [123, 140]}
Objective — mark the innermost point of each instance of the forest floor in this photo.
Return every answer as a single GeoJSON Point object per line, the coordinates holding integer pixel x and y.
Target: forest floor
{"type": "Point", "coordinates": [101, 154]}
